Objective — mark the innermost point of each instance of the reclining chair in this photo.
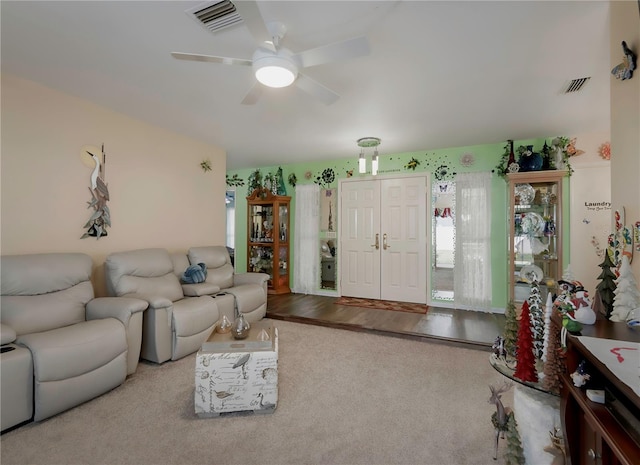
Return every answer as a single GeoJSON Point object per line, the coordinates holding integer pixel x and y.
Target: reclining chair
{"type": "Point", "coordinates": [234, 293]}
{"type": "Point", "coordinates": [64, 346]}
{"type": "Point", "coordinates": [174, 325]}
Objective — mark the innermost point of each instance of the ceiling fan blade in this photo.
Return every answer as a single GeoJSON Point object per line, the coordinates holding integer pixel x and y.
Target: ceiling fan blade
{"type": "Point", "coordinates": [351, 48]}
{"type": "Point", "coordinates": [211, 59]}
{"type": "Point", "coordinates": [254, 94]}
{"type": "Point", "coordinates": [317, 90]}
{"type": "Point", "coordinates": [252, 17]}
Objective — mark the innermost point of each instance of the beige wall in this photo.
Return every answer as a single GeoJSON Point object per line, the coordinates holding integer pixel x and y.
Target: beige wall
{"type": "Point", "coordinates": [160, 197]}
{"type": "Point", "coordinates": [625, 118]}
{"type": "Point", "coordinates": [590, 183]}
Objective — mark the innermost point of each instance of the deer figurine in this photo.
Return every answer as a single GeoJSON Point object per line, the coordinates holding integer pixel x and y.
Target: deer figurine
{"type": "Point", "coordinates": [557, 448]}
{"type": "Point", "coordinates": [501, 416]}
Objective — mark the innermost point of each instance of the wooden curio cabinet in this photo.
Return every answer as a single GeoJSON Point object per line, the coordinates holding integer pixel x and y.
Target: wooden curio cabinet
{"type": "Point", "coordinates": [268, 238]}
{"type": "Point", "coordinates": [535, 232]}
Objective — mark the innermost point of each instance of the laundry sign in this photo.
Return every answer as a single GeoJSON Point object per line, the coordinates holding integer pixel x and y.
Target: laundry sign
{"type": "Point", "coordinates": [597, 206]}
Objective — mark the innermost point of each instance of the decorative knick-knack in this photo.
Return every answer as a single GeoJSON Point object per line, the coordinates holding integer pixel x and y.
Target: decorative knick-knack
{"type": "Point", "coordinates": [224, 326]}
{"type": "Point", "coordinates": [547, 162]}
{"type": "Point", "coordinates": [281, 188]}
{"type": "Point", "coordinates": [241, 326]}
{"type": "Point", "coordinates": [530, 160]}
{"type": "Point", "coordinates": [512, 165]}
{"type": "Point", "coordinates": [512, 156]}
{"type": "Point", "coordinates": [549, 227]}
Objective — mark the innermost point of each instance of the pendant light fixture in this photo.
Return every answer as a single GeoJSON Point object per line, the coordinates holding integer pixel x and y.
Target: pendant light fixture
{"type": "Point", "coordinates": [363, 143]}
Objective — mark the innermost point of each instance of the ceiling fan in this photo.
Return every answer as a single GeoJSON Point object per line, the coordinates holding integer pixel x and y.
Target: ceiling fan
{"type": "Point", "coordinates": [276, 66]}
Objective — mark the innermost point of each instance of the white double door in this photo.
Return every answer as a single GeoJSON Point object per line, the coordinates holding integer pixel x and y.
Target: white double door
{"type": "Point", "coordinates": [383, 243]}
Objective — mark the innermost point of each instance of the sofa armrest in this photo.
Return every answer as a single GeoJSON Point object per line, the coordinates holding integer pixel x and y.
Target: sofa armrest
{"type": "Point", "coordinates": [250, 278]}
{"type": "Point", "coordinates": [199, 289]}
{"type": "Point", "coordinates": [115, 307]}
{"type": "Point", "coordinates": [153, 300]}
{"type": "Point", "coordinates": [7, 334]}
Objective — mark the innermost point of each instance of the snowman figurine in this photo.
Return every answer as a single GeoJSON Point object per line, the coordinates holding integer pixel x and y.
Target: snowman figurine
{"type": "Point", "coordinates": [583, 312]}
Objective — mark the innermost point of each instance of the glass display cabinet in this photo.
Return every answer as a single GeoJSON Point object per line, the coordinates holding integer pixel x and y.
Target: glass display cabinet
{"type": "Point", "coordinates": [535, 232]}
{"type": "Point", "coordinates": [268, 238]}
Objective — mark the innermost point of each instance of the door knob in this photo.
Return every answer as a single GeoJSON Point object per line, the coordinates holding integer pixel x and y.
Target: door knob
{"type": "Point", "coordinates": [385, 246]}
{"type": "Point", "coordinates": [593, 455]}
{"type": "Point", "coordinates": [377, 244]}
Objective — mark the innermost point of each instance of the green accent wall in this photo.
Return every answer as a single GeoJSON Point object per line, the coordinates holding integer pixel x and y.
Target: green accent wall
{"type": "Point", "coordinates": [443, 164]}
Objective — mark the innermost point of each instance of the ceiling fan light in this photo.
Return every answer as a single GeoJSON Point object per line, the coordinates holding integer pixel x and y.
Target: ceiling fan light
{"type": "Point", "coordinates": [275, 76]}
{"type": "Point", "coordinates": [275, 70]}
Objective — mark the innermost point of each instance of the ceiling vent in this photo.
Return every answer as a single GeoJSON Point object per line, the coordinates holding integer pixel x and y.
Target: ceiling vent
{"type": "Point", "coordinates": [576, 85]}
{"type": "Point", "coordinates": [216, 15]}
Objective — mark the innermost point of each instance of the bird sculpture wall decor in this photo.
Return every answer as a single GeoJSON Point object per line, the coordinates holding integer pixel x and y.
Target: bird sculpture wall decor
{"type": "Point", "coordinates": [101, 217]}
{"type": "Point", "coordinates": [625, 69]}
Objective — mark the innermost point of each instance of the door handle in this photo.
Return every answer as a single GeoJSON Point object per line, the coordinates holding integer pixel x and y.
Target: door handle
{"type": "Point", "coordinates": [385, 246]}
{"type": "Point", "coordinates": [377, 244]}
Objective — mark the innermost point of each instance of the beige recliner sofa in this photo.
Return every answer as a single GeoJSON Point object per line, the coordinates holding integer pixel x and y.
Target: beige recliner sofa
{"type": "Point", "coordinates": [63, 346]}
{"type": "Point", "coordinates": [245, 293]}
{"type": "Point", "coordinates": [174, 325]}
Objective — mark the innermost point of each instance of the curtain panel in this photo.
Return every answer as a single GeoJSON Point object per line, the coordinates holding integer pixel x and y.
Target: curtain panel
{"type": "Point", "coordinates": [472, 272]}
{"type": "Point", "coordinates": [306, 241]}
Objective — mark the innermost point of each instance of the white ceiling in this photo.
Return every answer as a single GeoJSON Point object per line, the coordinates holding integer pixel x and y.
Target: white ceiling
{"type": "Point", "coordinates": [440, 74]}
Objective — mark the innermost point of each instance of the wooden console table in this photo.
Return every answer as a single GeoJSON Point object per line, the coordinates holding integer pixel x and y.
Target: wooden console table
{"type": "Point", "coordinates": [600, 433]}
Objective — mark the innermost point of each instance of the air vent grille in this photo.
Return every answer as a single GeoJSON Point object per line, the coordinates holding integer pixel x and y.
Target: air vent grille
{"type": "Point", "coordinates": [576, 85]}
{"type": "Point", "coordinates": [216, 15]}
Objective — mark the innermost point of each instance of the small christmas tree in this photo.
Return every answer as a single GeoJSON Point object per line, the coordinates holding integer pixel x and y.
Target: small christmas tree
{"type": "Point", "coordinates": [536, 318]}
{"type": "Point", "coordinates": [526, 362]}
{"type": "Point", "coordinates": [555, 363]}
{"type": "Point", "coordinates": [606, 288]}
{"type": "Point", "coordinates": [514, 455]}
{"type": "Point", "coordinates": [510, 329]}
{"type": "Point", "coordinates": [627, 295]}
{"type": "Point", "coordinates": [567, 274]}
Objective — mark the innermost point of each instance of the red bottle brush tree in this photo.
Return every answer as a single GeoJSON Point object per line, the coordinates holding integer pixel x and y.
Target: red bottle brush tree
{"type": "Point", "coordinates": [526, 359]}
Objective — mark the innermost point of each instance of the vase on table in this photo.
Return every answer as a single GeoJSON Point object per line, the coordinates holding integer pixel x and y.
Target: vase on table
{"type": "Point", "coordinates": [240, 328]}
{"type": "Point", "coordinates": [224, 326]}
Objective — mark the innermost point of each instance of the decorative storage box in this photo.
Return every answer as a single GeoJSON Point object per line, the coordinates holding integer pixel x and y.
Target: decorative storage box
{"type": "Point", "coordinates": [237, 375]}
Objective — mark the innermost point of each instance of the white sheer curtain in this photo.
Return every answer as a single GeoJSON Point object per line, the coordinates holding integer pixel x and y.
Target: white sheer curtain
{"type": "Point", "coordinates": [306, 241]}
{"type": "Point", "coordinates": [472, 275]}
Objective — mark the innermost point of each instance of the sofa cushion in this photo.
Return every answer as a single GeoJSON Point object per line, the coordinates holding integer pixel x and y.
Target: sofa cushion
{"type": "Point", "coordinates": [144, 272]}
{"type": "Point", "coordinates": [45, 291]}
{"type": "Point", "coordinates": [220, 269]}
{"type": "Point", "coordinates": [248, 297]}
{"type": "Point", "coordinates": [43, 273]}
{"type": "Point", "coordinates": [72, 351]}
{"type": "Point", "coordinates": [36, 313]}
{"type": "Point", "coordinates": [194, 315]}
{"type": "Point", "coordinates": [7, 334]}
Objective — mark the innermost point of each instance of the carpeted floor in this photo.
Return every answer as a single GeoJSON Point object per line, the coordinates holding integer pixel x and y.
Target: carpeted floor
{"type": "Point", "coordinates": [383, 305]}
{"type": "Point", "coordinates": [344, 398]}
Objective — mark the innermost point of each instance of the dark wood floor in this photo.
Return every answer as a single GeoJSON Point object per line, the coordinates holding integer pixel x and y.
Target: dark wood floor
{"type": "Point", "coordinates": [475, 329]}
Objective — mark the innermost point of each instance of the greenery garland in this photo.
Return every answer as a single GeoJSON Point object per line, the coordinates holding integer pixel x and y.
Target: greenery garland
{"type": "Point", "coordinates": [557, 143]}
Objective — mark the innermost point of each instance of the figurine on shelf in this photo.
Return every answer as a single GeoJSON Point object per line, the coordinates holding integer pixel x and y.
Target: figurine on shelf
{"type": "Point", "coordinates": [580, 376]}
{"type": "Point", "coordinates": [498, 348]}
{"type": "Point", "coordinates": [583, 312]}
